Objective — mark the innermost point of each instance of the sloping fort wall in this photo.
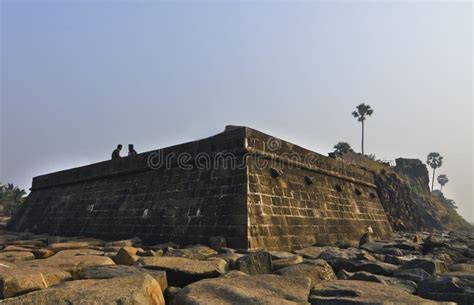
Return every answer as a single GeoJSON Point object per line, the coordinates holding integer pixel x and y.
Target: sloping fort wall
{"type": "Point", "coordinates": [253, 189]}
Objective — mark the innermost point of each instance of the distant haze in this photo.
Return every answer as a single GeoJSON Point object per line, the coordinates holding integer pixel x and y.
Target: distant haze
{"type": "Point", "coordinates": [79, 77]}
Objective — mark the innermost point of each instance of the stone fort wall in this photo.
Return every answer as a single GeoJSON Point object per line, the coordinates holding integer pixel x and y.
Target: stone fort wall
{"type": "Point", "coordinates": [126, 197]}
{"type": "Point", "coordinates": [298, 197]}
{"type": "Point", "coordinates": [253, 189]}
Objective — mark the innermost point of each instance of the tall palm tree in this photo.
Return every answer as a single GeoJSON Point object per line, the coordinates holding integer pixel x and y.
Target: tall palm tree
{"type": "Point", "coordinates": [361, 113]}
{"type": "Point", "coordinates": [442, 180]}
{"type": "Point", "coordinates": [434, 160]}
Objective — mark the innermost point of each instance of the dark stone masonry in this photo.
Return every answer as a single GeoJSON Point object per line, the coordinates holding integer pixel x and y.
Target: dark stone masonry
{"type": "Point", "coordinates": [251, 188]}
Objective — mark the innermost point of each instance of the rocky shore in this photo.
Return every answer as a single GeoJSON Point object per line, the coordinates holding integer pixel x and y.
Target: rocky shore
{"type": "Point", "coordinates": [423, 268]}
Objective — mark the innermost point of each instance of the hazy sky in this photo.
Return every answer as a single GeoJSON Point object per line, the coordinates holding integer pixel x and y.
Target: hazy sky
{"type": "Point", "coordinates": [78, 77]}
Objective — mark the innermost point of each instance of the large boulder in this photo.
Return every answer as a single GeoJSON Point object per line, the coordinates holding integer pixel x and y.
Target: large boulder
{"type": "Point", "coordinates": [16, 256]}
{"type": "Point", "coordinates": [182, 271]}
{"type": "Point", "coordinates": [13, 248]}
{"type": "Point", "coordinates": [316, 273]}
{"type": "Point", "coordinates": [72, 261]}
{"type": "Point", "coordinates": [429, 265]}
{"type": "Point", "coordinates": [16, 280]}
{"type": "Point", "coordinates": [131, 290]}
{"type": "Point", "coordinates": [346, 292]}
{"type": "Point", "coordinates": [372, 267]}
{"type": "Point", "coordinates": [446, 289]}
{"type": "Point", "coordinates": [56, 247]}
{"type": "Point", "coordinates": [406, 285]}
{"type": "Point", "coordinates": [112, 271]}
{"type": "Point", "coordinates": [462, 268]}
{"type": "Point", "coordinates": [246, 290]}
{"type": "Point", "coordinates": [255, 263]}
{"type": "Point", "coordinates": [415, 275]}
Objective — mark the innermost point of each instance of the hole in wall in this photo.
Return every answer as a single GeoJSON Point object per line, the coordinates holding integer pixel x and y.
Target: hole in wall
{"type": "Point", "coordinates": [358, 192]}
{"type": "Point", "coordinates": [338, 188]}
{"type": "Point", "coordinates": [372, 195]}
{"type": "Point", "coordinates": [308, 180]}
{"type": "Point", "coordinates": [275, 173]}
{"type": "Point", "coordinates": [90, 207]}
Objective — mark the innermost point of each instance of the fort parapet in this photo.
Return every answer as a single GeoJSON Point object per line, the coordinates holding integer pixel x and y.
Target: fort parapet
{"type": "Point", "coordinates": [251, 188]}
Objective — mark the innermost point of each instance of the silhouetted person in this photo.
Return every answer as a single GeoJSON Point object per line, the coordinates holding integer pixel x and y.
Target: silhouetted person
{"type": "Point", "coordinates": [131, 151]}
{"type": "Point", "coordinates": [116, 152]}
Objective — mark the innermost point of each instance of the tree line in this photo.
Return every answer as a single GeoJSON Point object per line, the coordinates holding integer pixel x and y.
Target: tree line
{"type": "Point", "coordinates": [11, 197]}
{"type": "Point", "coordinates": [362, 112]}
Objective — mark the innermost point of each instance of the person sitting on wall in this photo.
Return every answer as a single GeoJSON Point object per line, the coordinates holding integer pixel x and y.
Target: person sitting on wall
{"type": "Point", "coordinates": [131, 150]}
{"type": "Point", "coordinates": [116, 152]}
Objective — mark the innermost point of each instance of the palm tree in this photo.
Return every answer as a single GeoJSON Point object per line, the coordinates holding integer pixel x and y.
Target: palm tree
{"type": "Point", "coordinates": [434, 160]}
{"type": "Point", "coordinates": [442, 180]}
{"type": "Point", "coordinates": [362, 112]}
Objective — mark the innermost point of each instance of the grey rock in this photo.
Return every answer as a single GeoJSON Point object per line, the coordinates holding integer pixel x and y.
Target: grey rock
{"type": "Point", "coordinates": [231, 259]}
{"type": "Point", "coordinates": [314, 272]}
{"type": "Point", "coordinates": [353, 292]}
{"type": "Point", "coordinates": [372, 267]}
{"type": "Point", "coordinates": [182, 271]}
{"type": "Point", "coordinates": [113, 271]}
{"type": "Point", "coordinates": [170, 293]}
{"type": "Point", "coordinates": [246, 290]}
{"type": "Point", "coordinates": [217, 242]}
{"type": "Point", "coordinates": [415, 275]}
{"type": "Point", "coordinates": [406, 285]}
{"type": "Point", "coordinates": [286, 262]}
{"type": "Point", "coordinates": [255, 263]}
{"type": "Point", "coordinates": [430, 266]}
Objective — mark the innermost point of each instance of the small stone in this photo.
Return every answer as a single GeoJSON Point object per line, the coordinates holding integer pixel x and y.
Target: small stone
{"type": "Point", "coordinates": [170, 293]}
{"type": "Point", "coordinates": [367, 237]}
{"type": "Point", "coordinates": [127, 256]}
{"type": "Point", "coordinates": [217, 242]}
{"type": "Point", "coordinates": [151, 253]}
{"type": "Point", "coordinates": [42, 253]}
{"type": "Point", "coordinates": [344, 275]}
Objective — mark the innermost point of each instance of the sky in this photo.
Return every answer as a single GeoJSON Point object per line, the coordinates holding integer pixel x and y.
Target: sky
{"type": "Point", "coordinates": [79, 77]}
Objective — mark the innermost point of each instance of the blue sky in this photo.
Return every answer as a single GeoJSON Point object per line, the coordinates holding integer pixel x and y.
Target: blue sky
{"type": "Point", "coordinates": [78, 77]}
